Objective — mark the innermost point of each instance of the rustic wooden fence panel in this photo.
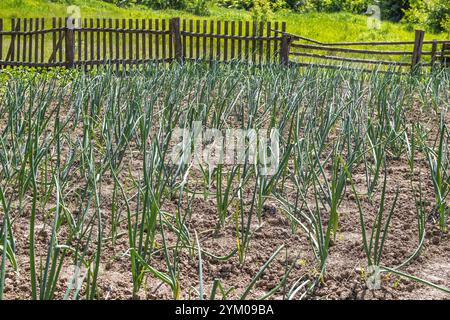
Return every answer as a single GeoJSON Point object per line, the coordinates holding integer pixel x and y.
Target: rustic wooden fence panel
{"type": "Point", "coordinates": [87, 43]}
{"type": "Point", "coordinates": [24, 43]}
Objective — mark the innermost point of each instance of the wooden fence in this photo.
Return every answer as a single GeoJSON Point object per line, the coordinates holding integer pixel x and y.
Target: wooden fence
{"type": "Point", "coordinates": [414, 56]}
{"type": "Point", "coordinates": [93, 42]}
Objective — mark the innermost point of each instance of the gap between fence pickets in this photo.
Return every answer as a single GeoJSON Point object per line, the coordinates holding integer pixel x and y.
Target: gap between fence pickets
{"type": "Point", "coordinates": [178, 40]}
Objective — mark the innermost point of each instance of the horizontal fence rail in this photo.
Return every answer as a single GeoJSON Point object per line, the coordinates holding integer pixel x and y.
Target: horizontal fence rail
{"type": "Point", "coordinates": [87, 43]}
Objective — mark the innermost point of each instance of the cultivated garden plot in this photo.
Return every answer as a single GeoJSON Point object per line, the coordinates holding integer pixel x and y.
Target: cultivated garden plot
{"type": "Point", "coordinates": [224, 181]}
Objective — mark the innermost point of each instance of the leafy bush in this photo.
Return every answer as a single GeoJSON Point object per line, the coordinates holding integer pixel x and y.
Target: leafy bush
{"type": "Point", "coordinates": [165, 4]}
{"type": "Point", "coordinates": [250, 4]}
{"type": "Point", "coordinates": [393, 10]}
{"type": "Point", "coordinates": [262, 10]}
{"type": "Point", "coordinates": [198, 7]}
{"type": "Point", "coordinates": [358, 6]}
{"type": "Point", "coordinates": [434, 14]}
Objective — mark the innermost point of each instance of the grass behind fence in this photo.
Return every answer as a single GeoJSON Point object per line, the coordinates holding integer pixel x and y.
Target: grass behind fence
{"type": "Point", "coordinates": [321, 26]}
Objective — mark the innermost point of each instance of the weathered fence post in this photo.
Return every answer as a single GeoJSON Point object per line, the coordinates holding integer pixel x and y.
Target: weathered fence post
{"type": "Point", "coordinates": [70, 43]}
{"type": "Point", "coordinates": [284, 49]}
{"type": "Point", "coordinates": [433, 52]}
{"type": "Point", "coordinates": [445, 54]}
{"type": "Point", "coordinates": [417, 53]}
{"type": "Point", "coordinates": [1, 41]}
{"type": "Point", "coordinates": [178, 46]}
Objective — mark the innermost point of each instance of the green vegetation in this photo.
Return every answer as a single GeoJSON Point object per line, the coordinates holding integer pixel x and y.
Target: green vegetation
{"type": "Point", "coordinates": [434, 14]}
{"type": "Point", "coordinates": [88, 157]}
{"type": "Point", "coordinates": [324, 26]}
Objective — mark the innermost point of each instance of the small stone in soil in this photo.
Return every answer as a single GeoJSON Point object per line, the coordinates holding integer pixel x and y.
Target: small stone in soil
{"type": "Point", "coordinates": [270, 209]}
{"type": "Point", "coordinates": [435, 240]}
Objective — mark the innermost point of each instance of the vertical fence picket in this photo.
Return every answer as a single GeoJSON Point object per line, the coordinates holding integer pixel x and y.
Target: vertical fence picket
{"type": "Point", "coordinates": [1, 41]}
{"type": "Point", "coordinates": [53, 37]}
{"type": "Point", "coordinates": [124, 43]}
{"type": "Point", "coordinates": [233, 33]}
{"type": "Point", "coordinates": [19, 28]}
{"type": "Point", "coordinates": [137, 41]}
{"type": "Point", "coordinates": [150, 39]}
{"type": "Point", "coordinates": [104, 59]}
{"type": "Point", "coordinates": [172, 41]}
{"type": "Point", "coordinates": [157, 39]}
{"type": "Point", "coordinates": [98, 42]}
{"type": "Point", "coordinates": [283, 29]}
{"type": "Point", "coordinates": [211, 41]}
{"type": "Point", "coordinates": [191, 39]}
{"type": "Point", "coordinates": [110, 41]}
{"type": "Point", "coordinates": [225, 41]}
{"type": "Point", "coordinates": [15, 44]}
{"type": "Point", "coordinates": [144, 36]}
{"type": "Point", "coordinates": [85, 43]}
{"type": "Point", "coordinates": [197, 40]}
{"type": "Point", "coordinates": [91, 40]}
{"type": "Point", "coordinates": [33, 52]}
{"type": "Point", "coordinates": [268, 43]}
{"type": "Point", "coordinates": [60, 35]}
{"type": "Point", "coordinates": [42, 40]}
{"type": "Point", "coordinates": [218, 32]}
{"type": "Point", "coordinates": [240, 40]}
{"type": "Point", "coordinates": [261, 43]}
{"type": "Point", "coordinates": [205, 30]}
{"type": "Point", "coordinates": [247, 34]}
{"type": "Point", "coordinates": [130, 41]}
{"type": "Point", "coordinates": [12, 44]}
{"type": "Point", "coordinates": [79, 41]}
{"type": "Point", "coordinates": [275, 43]}
{"type": "Point", "coordinates": [254, 47]}
{"type": "Point", "coordinates": [30, 41]}
{"type": "Point", "coordinates": [117, 45]}
{"type": "Point", "coordinates": [184, 29]}
{"type": "Point", "coordinates": [24, 42]}
{"type": "Point", "coordinates": [163, 27]}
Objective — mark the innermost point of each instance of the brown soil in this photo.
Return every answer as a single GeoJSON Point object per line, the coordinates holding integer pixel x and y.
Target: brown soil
{"type": "Point", "coordinates": [345, 277]}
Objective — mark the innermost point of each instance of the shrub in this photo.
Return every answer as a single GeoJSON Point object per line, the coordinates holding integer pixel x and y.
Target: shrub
{"type": "Point", "coordinates": [357, 6]}
{"type": "Point", "coordinates": [435, 14]}
{"type": "Point", "coordinates": [198, 7]}
{"type": "Point", "coordinates": [250, 4]}
{"type": "Point", "coordinates": [393, 10]}
{"type": "Point", "coordinates": [261, 10]}
{"type": "Point", "coordinates": [165, 4]}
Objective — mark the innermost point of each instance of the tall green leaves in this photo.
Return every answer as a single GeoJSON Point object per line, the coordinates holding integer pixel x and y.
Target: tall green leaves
{"type": "Point", "coordinates": [86, 159]}
{"type": "Point", "coordinates": [439, 163]}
